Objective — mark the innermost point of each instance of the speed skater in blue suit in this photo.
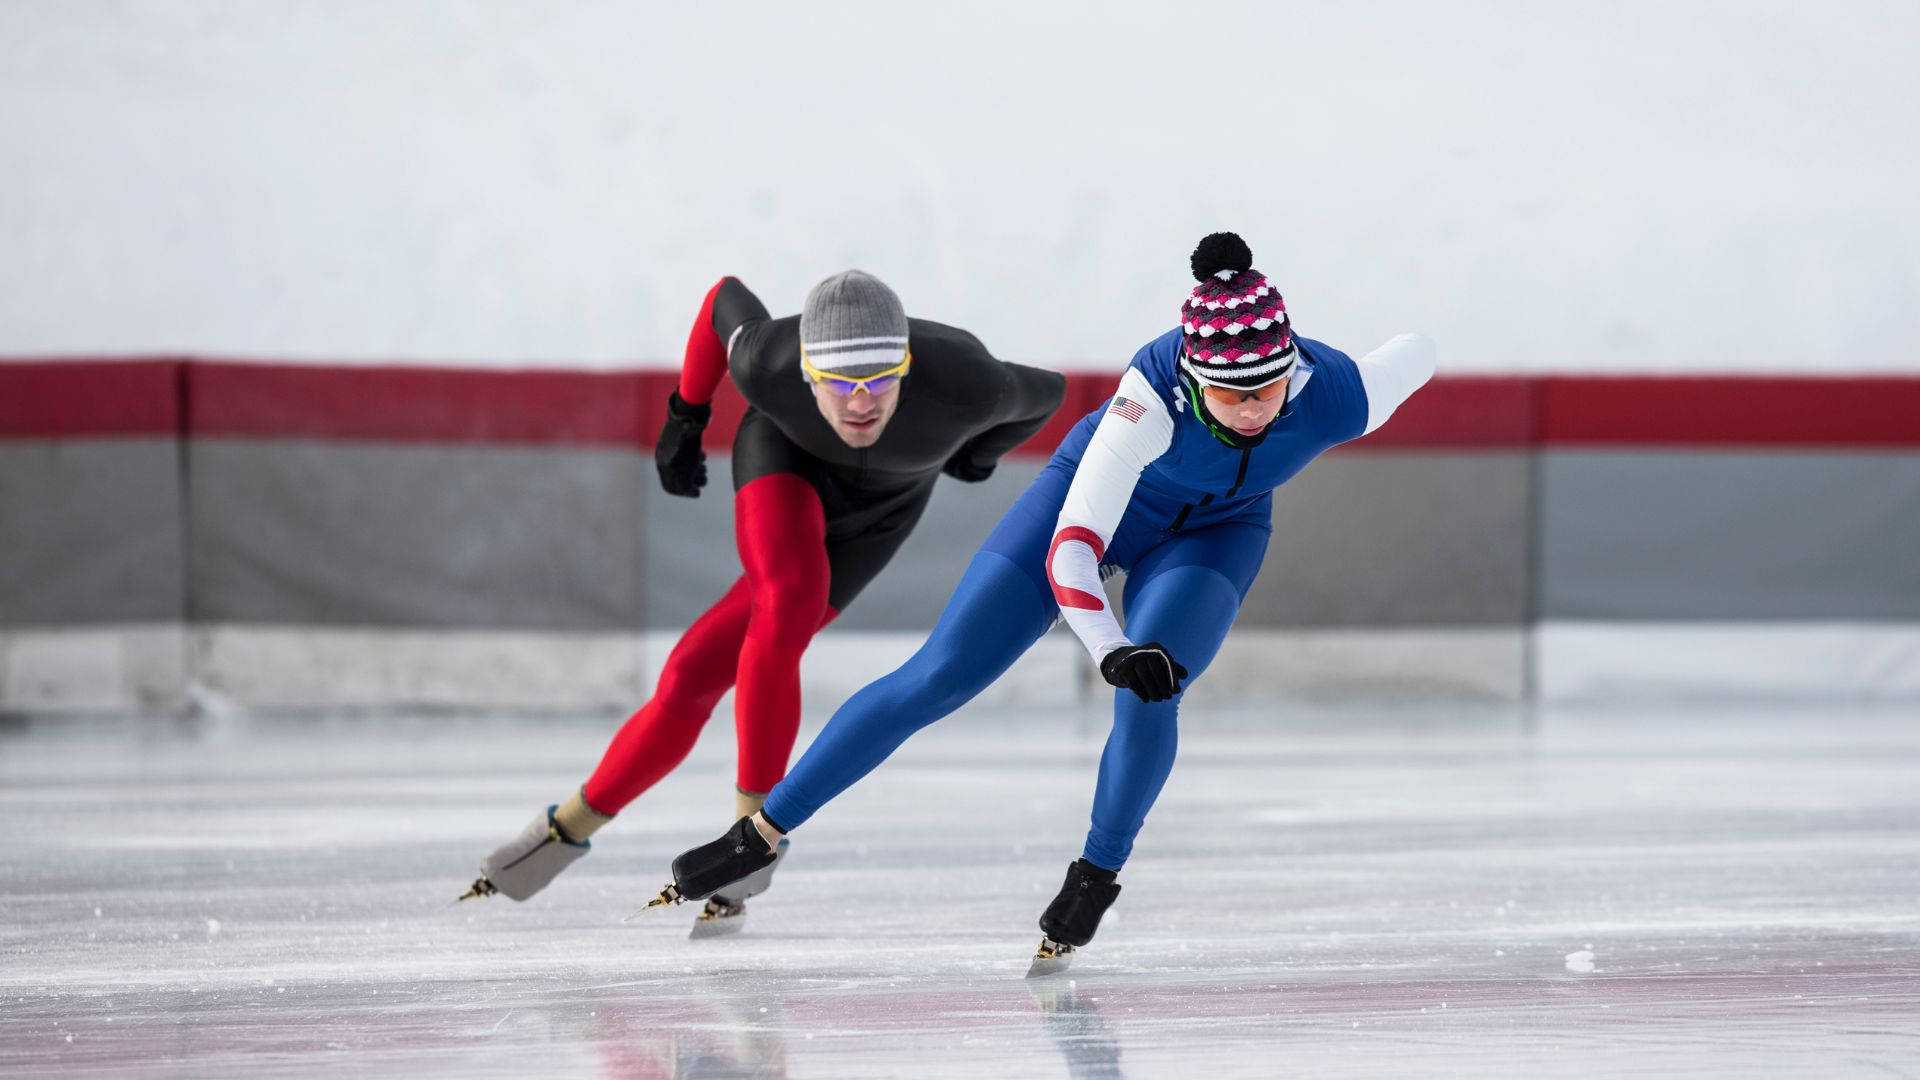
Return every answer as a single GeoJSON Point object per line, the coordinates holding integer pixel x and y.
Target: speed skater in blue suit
{"type": "Point", "coordinates": [1170, 481]}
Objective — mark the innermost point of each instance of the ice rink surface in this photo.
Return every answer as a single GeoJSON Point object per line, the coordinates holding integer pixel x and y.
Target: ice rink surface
{"type": "Point", "coordinates": [1319, 893]}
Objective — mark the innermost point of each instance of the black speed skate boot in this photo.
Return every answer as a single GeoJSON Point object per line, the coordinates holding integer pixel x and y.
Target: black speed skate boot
{"type": "Point", "coordinates": [700, 872]}
{"type": "Point", "coordinates": [726, 910]}
{"type": "Point", "coordinates": [1069, 922]}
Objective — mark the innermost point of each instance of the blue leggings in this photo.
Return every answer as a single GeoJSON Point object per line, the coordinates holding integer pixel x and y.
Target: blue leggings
{"type": "Point", "coordinates": [1183, 590]}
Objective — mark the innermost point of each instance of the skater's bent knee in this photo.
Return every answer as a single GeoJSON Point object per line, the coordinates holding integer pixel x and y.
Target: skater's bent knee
{"type": "Point", "coordinates": [944, 683]}
{"type": "Point", "coordinates": [787, 617]}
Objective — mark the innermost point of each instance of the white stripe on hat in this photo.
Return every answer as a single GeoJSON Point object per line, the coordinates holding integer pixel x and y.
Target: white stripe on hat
{"type": "Point", "coordinates": [848, 343]}
{"type": "Point", "coordinates": [1275, 368]}
{"type": "Point", "coordinates": [858, 358]}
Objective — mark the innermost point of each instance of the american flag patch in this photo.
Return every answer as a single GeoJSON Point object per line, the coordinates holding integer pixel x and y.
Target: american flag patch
{"type": "Point", "coordinates": [1128, 408]}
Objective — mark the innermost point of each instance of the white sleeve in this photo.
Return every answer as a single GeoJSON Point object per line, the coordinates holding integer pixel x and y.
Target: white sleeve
{"type": "Point", "coordinates": [1136, 429]}
{"type": "Point", "coordinates": [1392, 372]}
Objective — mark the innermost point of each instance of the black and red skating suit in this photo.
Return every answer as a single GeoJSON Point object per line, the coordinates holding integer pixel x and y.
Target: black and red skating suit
{"type": "Point", "coordinates": [815, 520]}
{"type": "Point", "coordinates": [957, 402]}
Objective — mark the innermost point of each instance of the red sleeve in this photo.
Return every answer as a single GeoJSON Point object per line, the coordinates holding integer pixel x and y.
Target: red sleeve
{"type": "Point", "coordinates": [706, 362]}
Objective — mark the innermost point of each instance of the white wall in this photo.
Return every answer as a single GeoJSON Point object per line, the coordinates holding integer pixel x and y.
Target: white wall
{"type": "Point", "coordinates": [1645, 186]}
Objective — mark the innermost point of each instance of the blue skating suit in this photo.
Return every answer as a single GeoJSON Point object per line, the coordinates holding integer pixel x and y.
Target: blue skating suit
{"type": "Point", "coordinates": [1186, 515]}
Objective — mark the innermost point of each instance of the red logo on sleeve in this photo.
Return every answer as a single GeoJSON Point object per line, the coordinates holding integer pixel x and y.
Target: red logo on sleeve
{"type": "Point", "coordinates": [1066, 595]}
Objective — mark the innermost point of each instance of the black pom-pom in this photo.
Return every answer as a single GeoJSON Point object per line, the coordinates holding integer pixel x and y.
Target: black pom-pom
{"type": "Point", "coordinates": [1221, 251]}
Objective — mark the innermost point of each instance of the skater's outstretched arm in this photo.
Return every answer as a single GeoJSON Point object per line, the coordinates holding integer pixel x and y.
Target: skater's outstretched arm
{"type": "Point", "coordinates": [1030, 399]}
{"type": "Point", "coordinates": [677, 456]}
{"type": "Point", "coordinates": [1392, 372]}
{"type": "Point", "coordinates": [1136, 429]}
{"type": "Point", "coordinates": [728, 306]}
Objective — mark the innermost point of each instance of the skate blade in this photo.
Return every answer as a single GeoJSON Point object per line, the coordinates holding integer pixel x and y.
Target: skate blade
{"type": "Point", "coordinates": [668, 897]}
{"type": "Point", "coordinates": [1051, 958]}
{"type": "Point", "coordinates": [479, 890]}
{"type": "Point", "coordinates": [720, 925]}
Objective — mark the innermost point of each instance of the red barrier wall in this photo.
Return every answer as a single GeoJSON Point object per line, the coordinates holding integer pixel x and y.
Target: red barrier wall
{"type": "Point", "coordinates": [88, 398]}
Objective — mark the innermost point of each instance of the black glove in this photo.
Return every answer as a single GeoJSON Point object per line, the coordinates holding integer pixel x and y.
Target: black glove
{"type": "Point", "coordinates": [682, 464]}
{"type": "Point", "coordinates": [961, 467]}
{"type": "Point", "coordinates": [1148, 670]}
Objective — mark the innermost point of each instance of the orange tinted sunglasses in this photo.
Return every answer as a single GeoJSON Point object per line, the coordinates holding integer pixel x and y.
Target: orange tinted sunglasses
{"type": "Point", "coordinates": [1227, 395]}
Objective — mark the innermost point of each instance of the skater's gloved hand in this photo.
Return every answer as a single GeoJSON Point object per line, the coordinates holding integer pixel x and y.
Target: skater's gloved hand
{"type": "Point", "coordinates": [961, 467]}
{"type": "Point", "coordinates": [1148, 670]}
{"type": "Point", "coordinates": [682, 464]}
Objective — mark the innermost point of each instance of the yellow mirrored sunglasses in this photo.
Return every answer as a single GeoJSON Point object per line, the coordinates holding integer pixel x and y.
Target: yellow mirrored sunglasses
{"type": "Point", "coordinates": [845, 386]}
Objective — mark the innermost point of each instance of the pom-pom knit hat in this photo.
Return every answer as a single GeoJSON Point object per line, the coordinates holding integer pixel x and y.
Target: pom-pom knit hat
{"type": "Point", "coordinates": [1236, 327]}
{"type": "Point", "coordinates": [853, 325]}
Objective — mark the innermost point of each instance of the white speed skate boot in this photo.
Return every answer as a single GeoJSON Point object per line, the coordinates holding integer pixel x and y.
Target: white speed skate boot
{"type": "Point", "coordinates": [555, 839]}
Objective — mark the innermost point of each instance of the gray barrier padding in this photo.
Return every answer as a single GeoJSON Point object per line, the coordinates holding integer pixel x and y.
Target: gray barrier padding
{"type": "Point", "coordinates": [418, 536]}
{"type": "Point", "coordinates": [310, 533]}
{"type": "Point", "coordinates": [90, 532]}
{"type": "Point", "coordinates": [400, 535]}
{"type": "Point", "coordinates": [406, 535]}
{"type": "Point", "coordinates": [1727, 536]}
{"type": "Point", "coordinates": [687, 545]}
{"type": "Point", "coordinates": [1361, 540]}
{"type": "Point", "coordinates": [1429, 539]}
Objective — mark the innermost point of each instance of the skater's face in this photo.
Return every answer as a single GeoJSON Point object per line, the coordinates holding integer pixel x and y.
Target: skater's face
{"type": "Point", "coordinates": [858, 417]}
{"type": "Point", "coordinates": [1247, 412]}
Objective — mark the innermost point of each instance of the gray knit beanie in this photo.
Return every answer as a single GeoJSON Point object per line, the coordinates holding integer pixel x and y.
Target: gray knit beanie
{"type": "Point", "coordinates": [853, 325]}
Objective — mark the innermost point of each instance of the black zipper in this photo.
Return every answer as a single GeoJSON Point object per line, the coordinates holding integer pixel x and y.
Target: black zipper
{"type": "Point", "coordinates": [1188, 509]}
{"type": "Point", "coordinates": [1241, 476]}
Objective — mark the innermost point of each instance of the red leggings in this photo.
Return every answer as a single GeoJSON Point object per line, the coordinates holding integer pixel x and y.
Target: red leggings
{"type": "Point", "coordinates": [752, 638]}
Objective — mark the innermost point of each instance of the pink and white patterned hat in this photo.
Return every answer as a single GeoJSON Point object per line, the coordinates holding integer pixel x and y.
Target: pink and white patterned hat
{"type": "Point", "coordinates": [1236, 327]}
